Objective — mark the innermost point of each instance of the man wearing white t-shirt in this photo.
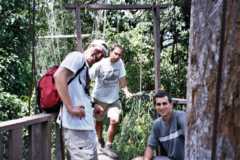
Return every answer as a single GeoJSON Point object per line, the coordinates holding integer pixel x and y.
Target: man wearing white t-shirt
{"type": "Point", "coordinates": [109, 75]}
{"type": "Point", "coordinates": [77, 113]}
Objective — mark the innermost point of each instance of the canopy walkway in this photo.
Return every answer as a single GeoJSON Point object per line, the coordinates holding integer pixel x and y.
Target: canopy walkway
{"type": "Point", "coordinates": [36, 137]}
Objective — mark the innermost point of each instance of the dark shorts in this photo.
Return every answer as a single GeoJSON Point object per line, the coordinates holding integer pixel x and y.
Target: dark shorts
{"type": "Point", "coordinates": [113, 110]}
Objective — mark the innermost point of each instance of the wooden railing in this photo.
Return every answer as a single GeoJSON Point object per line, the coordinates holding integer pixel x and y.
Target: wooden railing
{"type": "Point", "coordinates": [180, 101]}
{"type": "Point", "coordinates": [39, 127]}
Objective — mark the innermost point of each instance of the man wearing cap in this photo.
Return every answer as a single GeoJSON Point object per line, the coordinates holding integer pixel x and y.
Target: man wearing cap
{"type": "Point", "coordinates": [109, 75]}
{"type": "Point", "coordinates": [77, 113]}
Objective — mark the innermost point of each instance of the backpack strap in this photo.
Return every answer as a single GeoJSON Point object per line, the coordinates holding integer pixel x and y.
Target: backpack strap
{"type": "Point", "coordinates": [77, 73]}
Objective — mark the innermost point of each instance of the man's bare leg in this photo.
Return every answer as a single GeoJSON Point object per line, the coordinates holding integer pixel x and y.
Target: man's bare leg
{"type": "Point", "coordinates": [99, 130]}
{"type": "Point", "coordinates": [112, 131]}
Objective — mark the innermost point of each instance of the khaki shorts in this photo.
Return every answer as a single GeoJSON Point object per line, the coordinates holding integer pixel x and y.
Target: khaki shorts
{"type": "Point", "coordinates": [80, 144]}
{"type": "Point", "coordinates": [113, 110]}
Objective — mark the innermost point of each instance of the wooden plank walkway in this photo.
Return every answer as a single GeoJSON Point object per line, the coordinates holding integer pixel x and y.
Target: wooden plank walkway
{"type": "Point", "coordinates": [104, 156]}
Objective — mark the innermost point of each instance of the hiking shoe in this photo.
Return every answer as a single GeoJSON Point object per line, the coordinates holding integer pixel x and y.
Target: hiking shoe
{"type": "Point", "coordinates": [109, 151]}
{"type": "Point", "coordinates": [101, 142]}
{"type": "Point", "coordinates": [108, 146]}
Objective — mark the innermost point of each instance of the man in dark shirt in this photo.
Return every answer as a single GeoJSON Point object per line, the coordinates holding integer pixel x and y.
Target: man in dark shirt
{"type": "Point", "coordinates": [168, 130]}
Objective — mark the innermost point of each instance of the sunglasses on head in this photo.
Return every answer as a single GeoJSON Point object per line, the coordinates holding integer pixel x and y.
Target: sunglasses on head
{"type": "Point", "coordinates": [98, 50]}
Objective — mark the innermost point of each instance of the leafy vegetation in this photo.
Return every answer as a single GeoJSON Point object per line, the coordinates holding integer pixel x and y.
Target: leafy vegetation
{"type": "Point", "coordinates": [132, 29]}
{"type": "Point", "coordinates": [11, 107]}
{"type": "Point", "coordinates": [135, 128]}
{"type": "Point", "coordinates": [14, 47]}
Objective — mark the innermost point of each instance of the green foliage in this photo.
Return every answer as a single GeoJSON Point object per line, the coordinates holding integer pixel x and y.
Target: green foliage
{"type": "Point", "coordinates": [16, 73]}
{"type": "Point", "coordinates": [138, 56]}
{"type": "Point", "coordinates": [132, 29]}
{"type": "Point", "coordinates": [173, 71]}
{"type": "Point", "coordinates": [14, 47]}
{"type": "Point", "coordinates": [11, 107]}
{"type": "Point", "coordinates": [135, 128]}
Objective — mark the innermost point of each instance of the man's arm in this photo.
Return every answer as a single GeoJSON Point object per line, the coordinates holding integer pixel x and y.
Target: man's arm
{"type": "Point", "coordinates": [61, 77]}
{"type": "Point", "coordinates": [148, 154]}
{"type": "Point", "coordinates": [123, 85]}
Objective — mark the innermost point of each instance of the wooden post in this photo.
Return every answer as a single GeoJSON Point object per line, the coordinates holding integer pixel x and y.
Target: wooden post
{"type": "Point", "coordinates": [59, 149]}
{"type": "Point", "coordinates": [157, 51]}
{"type": "Point", "coordinates": [46, 140]}
{"type": "Point", "coordinates": [78, 29]}
{"type": "Point", "coordinates": [36, 140]}
{"type": "Point", "coordinates": [15, 144]}
{"type": "Point", "coordinates": [1, 145]}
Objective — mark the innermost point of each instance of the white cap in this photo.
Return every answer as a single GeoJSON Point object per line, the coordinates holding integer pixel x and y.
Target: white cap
{"type": "Point", "coordinates": [100, 43]}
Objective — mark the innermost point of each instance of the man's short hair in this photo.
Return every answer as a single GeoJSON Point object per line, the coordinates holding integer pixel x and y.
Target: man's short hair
{"type": "Point", "coordinates": [115, 45]}
{"type": "Point", "coordinates": [160, 94]}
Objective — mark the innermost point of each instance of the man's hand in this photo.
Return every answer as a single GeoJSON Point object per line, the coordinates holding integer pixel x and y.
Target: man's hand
{"type": "Point", "coordinates": [148, 154]}
{"type": "Point", "coordinates": [128, 94]}
{"type": "Point", "coordinates": [78, 111]}
{"type": "Point", "coordinates": [123, 85]}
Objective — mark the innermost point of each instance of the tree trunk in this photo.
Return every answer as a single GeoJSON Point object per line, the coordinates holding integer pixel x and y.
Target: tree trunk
{"type": "Point", "coordinates": [213, 81]}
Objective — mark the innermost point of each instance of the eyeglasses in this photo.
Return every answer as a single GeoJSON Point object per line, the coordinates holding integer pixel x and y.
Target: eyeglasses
{"type": "Point", "coordinates": [159, 104]}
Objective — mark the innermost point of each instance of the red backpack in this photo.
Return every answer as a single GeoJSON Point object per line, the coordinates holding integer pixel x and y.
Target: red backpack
{"type": "Point", "coordinates": [47, 95]}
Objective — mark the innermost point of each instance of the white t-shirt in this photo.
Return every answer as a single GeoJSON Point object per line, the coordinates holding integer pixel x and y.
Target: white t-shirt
{"type": "Point", "coordinates": [107, 75]}
{"type": "Point", "coordinates": [73, 62]}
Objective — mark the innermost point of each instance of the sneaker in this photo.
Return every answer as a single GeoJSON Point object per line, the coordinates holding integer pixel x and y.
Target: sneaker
{"type": "Point", "coordinates": [101, 142]}
{"type": "Point", "coordinates": [109, 151]}
{"type": "Point", "coordinates": [109, 146]}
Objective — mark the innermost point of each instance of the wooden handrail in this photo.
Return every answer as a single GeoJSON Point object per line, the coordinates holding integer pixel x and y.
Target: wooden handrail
{"type": "Point", "coordinates": [39, 127]}
{"type": "Point", "coordinates": [26, 121]}
{"type": "Point", "coordinates": [180, 101]}
{"type": "Point", "coordinates": [115, 6]}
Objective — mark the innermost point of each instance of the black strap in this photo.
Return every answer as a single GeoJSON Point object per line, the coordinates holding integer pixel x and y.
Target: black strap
{"type": "Point", "coordinates": [62, 147]}
{"type": "Point", "coordinates": [87, 80]}
{"type": "Point", "coordinates": [77, 73]}
{"type": "Point", "coordinates": [87, 85]}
